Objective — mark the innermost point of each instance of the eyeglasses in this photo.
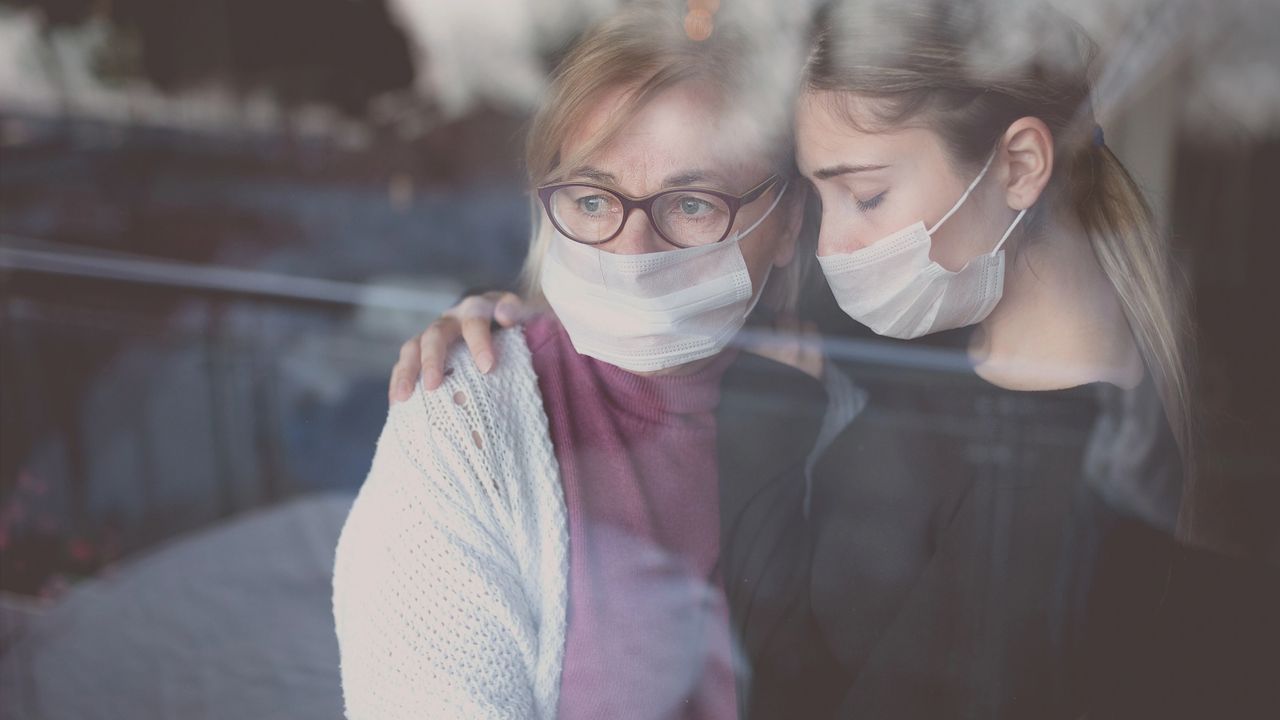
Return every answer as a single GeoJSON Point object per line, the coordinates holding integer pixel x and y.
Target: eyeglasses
{"type": "Point", "coordinates": [685, 217]}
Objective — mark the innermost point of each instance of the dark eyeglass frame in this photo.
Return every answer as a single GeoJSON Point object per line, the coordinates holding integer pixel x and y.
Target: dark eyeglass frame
{"type": "Point", "coordinates": [645, 205]}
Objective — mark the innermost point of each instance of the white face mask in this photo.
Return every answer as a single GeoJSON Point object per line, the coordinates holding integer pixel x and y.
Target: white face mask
{"type": "Point", "coordinates": [653, 311]}
{"type": "Point", "coordinates": [894, 288]}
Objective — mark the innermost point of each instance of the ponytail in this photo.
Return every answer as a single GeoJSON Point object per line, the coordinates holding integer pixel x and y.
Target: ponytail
{"type": "Point", "coordinates": [1134, 256]}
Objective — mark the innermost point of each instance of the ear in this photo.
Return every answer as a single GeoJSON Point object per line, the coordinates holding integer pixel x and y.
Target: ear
{"type": "Point", "coordinates": [793, 208]}
{"type": "Point", "coordinates": [1027, 160]}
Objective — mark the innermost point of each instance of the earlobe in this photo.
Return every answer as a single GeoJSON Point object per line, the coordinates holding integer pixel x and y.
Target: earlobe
{"type": "Point", "coordinates": [1029, 161]}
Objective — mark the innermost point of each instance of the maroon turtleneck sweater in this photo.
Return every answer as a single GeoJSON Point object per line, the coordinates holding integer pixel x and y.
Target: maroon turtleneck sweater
{"type": "Point", "coordinates": [648, 631]}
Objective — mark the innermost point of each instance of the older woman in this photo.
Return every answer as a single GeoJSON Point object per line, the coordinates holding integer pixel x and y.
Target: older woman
{"type": "Point", "coordinates": [543, 540]}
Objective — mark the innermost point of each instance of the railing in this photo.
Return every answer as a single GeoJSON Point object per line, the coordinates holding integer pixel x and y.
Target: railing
{"type": "Point", "coordinates": [143, 397]}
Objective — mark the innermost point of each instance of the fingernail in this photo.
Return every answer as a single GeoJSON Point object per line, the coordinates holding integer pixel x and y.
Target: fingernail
{"type": "Point", "coordinates": [431, 379]}
{"type": "Point", "coordinates": [404, 388]}
{"type": "Point", "coordinates": [484, 361]}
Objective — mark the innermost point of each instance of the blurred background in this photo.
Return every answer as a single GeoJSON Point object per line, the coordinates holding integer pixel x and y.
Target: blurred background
{"type": "Point", "coordinates": [219, 219]}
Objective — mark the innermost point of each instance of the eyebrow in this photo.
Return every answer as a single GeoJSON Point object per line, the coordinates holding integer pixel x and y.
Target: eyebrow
{"type": "Point", "coordinates": [688, 177]}
{"type": "Point", "coordinates": [827, 173]}
{"type": "Point", "coordinates": [693, 177]}
{"type": "Point", "coordinates": [595, 174]}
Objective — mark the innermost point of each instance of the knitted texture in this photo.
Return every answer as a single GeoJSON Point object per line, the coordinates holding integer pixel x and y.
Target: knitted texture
{"type": "Point", "coordinates": [450, 576]}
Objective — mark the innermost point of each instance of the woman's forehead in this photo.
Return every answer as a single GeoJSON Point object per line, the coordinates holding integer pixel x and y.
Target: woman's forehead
{"type": "Point", "coordinates": [680, 129]}
{"type": "Point", "coordinates": [834, 113]}
{"type": "Point", "coordinates": [835, 128]}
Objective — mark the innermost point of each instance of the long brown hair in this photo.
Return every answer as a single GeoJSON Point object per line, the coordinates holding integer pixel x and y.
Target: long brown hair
{"type": "Point", "coordinates": [645, 49]}
{"type": "Point", "coordinates": [926, 61]}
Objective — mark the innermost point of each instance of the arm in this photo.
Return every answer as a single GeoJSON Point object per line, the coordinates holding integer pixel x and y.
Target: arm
{"type": "Point", "coordinates": [431, 616]}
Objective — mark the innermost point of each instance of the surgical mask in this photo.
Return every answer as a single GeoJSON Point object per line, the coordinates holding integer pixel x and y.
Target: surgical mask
{"type": "Point", "coordinates": [653, 311]}
{"type": "Point", "coordinates": [894, 288]}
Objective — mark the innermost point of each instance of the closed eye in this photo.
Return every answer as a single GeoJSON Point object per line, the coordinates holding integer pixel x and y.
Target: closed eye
{"type": "Point", "coordinates": [868, 205]}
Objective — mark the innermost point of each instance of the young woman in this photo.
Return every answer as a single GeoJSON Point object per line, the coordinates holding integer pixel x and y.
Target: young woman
{"type": "Point", "coordinates": [970, 548]}
{"type": "Point", "coordinates": [987, 204]}
{"type": "Point", "coordinates": [543, 540]}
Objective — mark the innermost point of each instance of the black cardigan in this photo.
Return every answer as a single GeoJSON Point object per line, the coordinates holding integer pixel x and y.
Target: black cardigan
{"type": "Point", "coordinates": [956, 563]}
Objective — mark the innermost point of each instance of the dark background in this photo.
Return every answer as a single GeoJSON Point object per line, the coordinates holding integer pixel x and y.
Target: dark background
{"type": "Point", "coordinates": [132, 412]}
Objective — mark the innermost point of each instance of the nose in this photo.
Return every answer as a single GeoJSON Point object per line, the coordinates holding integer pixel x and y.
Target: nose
{"type": "Point", "coordinates": [637, 237]}
{"type": "Point", "coordinates": [836, 236]}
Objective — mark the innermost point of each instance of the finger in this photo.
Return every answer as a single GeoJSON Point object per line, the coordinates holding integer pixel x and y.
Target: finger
{"type": "Point", "coordinates": [477, 332]}
{"type": "Point", "coordinates": [433, 347]}
{"type": "Point", "coordinates": [475, 314]}
{"type": "Point", "coordinates": [510, 310]}
{"type": "Point", "coordinates": [401, 387]}
{"type": "Point", "coordinates": [402, 374]}
{"type": "Point", "coordinates": [474, 306]}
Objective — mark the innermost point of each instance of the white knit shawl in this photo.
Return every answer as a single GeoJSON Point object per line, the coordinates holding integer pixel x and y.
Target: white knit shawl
{"type": "Point", "coordinates": [450, 576]}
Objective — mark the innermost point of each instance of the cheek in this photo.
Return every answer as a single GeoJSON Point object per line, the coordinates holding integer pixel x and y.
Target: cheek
{"type": "Point", "coordinates": [947, 247]}
{"type": "Point", "coordinates": [846, 228]}
{"type": "Point", "coordinates": [965, 235]}
{"type": "Point", "coordinates": [838, 230]}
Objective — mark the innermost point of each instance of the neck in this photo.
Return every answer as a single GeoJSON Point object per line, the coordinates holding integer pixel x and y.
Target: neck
{"type": "Point", "coordinates": [1059, 323]}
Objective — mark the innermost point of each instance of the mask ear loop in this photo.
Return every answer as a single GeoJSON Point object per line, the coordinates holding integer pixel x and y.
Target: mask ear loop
{"type": "Point", "coordinates": [768, 212]}
{"type": "Point", "coordinates": [966, 194]}
{"type": "Point", "coordinates": [1009, 232]}
{"type": "Point", "coordinates": [755, 300]}
{"type": "Point", "coordinates": [768, 270]}
{"type": "Point", "coordinates": [986, 166]}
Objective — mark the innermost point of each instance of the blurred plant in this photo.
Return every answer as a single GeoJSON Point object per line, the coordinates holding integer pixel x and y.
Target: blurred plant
{"type": "Point", "coordinates": [37, 556]}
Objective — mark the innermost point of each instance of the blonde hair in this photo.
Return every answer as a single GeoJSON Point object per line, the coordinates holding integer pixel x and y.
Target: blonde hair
{"type": "Point", "coordinates": [644, 49]}
{"type": "Point", "coordinates": [919, 61]}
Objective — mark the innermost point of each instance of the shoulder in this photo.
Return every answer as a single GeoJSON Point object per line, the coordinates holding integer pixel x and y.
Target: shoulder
{"type": "Point", "coordinates": [467, 441]}
{"type": "Point", "coordinates": [482, 438]}
{"type": "Point", "coordinates": [474, 452]}
{"type": "Point", "coordinates": [469, 405]}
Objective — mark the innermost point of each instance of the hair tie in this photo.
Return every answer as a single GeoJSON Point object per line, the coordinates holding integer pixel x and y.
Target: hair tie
{"type": "Point", "coordinates": [1098, 139]}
